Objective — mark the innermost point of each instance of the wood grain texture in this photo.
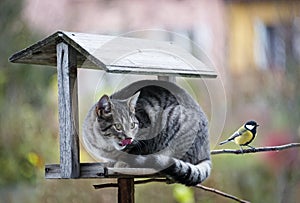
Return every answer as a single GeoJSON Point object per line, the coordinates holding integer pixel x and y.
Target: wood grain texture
{"type": "Point", "coordinates": [87, 170]}
{"type": "Point", "coordinates": [68, 111]}
{"type": "Point", "coordinates": [98, 170]}
{"type": "Point", "coordinates": [119, 55]}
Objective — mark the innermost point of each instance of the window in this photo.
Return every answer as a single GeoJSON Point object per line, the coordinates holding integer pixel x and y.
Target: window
{"type": "Point", "coordinates": [270, 46]}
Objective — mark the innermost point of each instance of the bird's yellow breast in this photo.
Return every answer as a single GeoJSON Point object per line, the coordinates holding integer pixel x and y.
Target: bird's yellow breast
{"type": "Point", "coordinates": [246, 137]}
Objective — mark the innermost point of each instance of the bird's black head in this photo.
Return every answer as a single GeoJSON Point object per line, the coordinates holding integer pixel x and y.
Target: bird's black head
{"type": "Point", "coordinates": [251, 125]}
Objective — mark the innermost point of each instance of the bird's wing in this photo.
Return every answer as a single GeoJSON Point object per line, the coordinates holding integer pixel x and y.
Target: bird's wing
{"type": "Point", "coordinates": [239, 132]}
{"type": "Point", "coordinates": [234, 135]}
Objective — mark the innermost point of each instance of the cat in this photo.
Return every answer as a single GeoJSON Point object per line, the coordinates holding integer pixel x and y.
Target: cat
{"type": "Point", "coordinates": [151, 124]}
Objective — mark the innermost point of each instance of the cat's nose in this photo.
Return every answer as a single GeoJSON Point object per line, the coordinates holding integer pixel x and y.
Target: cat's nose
{"type": "Point", "coordinates": [123, 136]}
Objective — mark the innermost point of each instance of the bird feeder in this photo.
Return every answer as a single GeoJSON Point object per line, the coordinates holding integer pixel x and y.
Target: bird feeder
{"type": "Point", "coordinates": [69, 51]}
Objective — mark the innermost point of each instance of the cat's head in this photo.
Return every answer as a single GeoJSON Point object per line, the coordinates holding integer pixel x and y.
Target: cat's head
{"type": "Point", "coordinates": [117, 121]}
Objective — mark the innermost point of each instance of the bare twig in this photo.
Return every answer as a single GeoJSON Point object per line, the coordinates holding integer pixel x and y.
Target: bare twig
{"type": "Point", "coordinates": [213, 152]}
{"type": "Point", "coordinates": [218, 192]}
{"type": "Point", "coordinates": [160, 180]}
{"type": "Point", "coordinates": [164, 180]}
{"type": "Point", "coordinates": [106, 185]}
{"type": "Point", "coordinates": [255, 150]}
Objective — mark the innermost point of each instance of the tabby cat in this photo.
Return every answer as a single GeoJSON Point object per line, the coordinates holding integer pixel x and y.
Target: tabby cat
{"type": "Point", "coordinates": [151, 124]}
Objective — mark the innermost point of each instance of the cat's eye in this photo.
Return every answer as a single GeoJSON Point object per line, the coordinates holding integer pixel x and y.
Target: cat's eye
{"type": "Point", "coordinates": [132, 125]}
{"type": "Point", "coordinates": [118, 126]}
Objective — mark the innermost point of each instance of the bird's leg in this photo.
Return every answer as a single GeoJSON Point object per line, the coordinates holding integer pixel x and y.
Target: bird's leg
{"type": "Point", "coordinates": [250, 146]}
{"type": "Point", "coordinates": [242, 151]}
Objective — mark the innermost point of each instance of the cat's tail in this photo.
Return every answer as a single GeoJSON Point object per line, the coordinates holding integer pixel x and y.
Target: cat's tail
{"type": "Point", "coordinates": [188, 174]}
{"type": "Point", "coordinates": [175, 169]}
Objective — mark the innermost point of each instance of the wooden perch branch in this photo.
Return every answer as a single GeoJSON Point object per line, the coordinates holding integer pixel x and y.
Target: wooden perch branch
{"type": "Point", "coordinates": [255, 150]}
{"type": "Point", "coordinates": [218, 192]}
{"type": "Point", "coordinates": [164, 180]}
{"type": "Point", "coordinates": [105, 185]}
{"type": "Point", "coordinates": [213, 152]}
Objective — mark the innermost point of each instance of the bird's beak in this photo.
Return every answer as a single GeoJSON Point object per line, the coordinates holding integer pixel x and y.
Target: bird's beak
{"type": "Point", "coordinates": [257, 125]}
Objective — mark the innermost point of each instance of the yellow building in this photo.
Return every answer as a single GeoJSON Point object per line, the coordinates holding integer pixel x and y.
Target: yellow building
{"type": "Point", "coordinates": [260, 33]}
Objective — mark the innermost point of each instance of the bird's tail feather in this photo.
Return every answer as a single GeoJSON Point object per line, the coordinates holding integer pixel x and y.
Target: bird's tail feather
{"type": "Point", "coordinates": [224, 142]}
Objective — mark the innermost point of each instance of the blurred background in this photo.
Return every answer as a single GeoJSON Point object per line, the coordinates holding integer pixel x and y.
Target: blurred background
{"type": "Point", "coordinates": [254, 45]}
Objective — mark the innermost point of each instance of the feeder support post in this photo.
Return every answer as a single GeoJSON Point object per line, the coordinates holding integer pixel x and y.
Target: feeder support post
{"type": "Point", "coordinates": [125, 190]}
{"type": "Point", "coordinates": [68, 110]}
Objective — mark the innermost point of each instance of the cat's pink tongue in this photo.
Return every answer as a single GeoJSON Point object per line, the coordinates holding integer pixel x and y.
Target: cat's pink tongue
{"type": "Point", "coordinates": [126, 141]}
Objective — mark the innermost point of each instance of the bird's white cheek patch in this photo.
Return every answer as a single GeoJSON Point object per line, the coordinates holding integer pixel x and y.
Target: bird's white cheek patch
{"type": "Point", "coordinates": [249, 127]}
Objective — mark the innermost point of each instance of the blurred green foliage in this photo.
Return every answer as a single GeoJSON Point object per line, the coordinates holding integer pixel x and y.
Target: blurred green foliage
{"type": "Point", "coordinates": [183, 194]}
{"type": "Point", "coordinates": [25, 135]}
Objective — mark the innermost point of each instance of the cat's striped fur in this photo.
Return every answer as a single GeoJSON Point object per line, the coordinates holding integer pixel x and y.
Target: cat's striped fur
{"type": "Point", "coordinates": [169, 130]}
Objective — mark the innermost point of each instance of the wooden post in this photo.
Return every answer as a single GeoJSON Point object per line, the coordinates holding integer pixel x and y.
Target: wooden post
{"type": "Point", "coordinates": [125, 190]}
{"type": "Point", "coordinates": [68, 110]}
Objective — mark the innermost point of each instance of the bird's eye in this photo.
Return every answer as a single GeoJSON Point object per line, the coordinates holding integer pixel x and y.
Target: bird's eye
{"type": "Point", "coordinates": [132, 125]}
{"type": "Point", "coordinates": [118, 126]}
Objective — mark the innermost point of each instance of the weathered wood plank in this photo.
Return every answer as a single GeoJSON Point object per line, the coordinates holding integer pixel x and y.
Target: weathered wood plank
{"type": "Point", "coordinates": [98, 170]}
{"type": "Point", "coordinates": [68, 111]}
{"type": "Point", "coordinates": [87, 170]}
{"type": "Point", "coordinates": [52, 171]}
{"type": "Point", "coordinates": [119, 55]}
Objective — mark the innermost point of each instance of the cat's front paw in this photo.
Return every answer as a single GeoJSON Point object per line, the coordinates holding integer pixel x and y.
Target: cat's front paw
{"type": "Point", "coordinates": [121, 164]}
{"type": "Point", "coordinates": [157, 162]}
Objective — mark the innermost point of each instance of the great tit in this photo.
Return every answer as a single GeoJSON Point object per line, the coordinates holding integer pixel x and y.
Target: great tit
{"type": "Point", "coordinates": [244, 135]}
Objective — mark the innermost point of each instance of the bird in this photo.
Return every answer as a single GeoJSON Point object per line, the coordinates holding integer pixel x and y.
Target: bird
{"type": "Point", "coordinates": [244, 135]}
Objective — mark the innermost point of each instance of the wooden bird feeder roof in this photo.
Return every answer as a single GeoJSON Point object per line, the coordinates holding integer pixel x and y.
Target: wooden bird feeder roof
{"type": "Point", "coordinates": [118, 55]}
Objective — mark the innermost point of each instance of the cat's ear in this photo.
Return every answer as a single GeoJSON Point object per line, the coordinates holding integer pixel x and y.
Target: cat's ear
{"type": "Point", "coordinates": [103, 107]}
{"type": "Point", "coordinates": [132, 101]}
